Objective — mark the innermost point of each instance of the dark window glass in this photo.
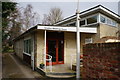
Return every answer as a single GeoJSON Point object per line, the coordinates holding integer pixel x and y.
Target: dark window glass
{"type": "Point", "coordinates": [24, 46]}
{"type": "Point", "coordinates": [52, 49]}
{"type": "Point", "coordinates": [72, 24]}
{"type": "Point", "coordinates": [27, 46]}
{"type": "Point", "coordinates": [60, 50]}
{"type": "Point", "coordinates": [82, 22]}
{"type": "Point", "coordinates": [92, 19]}
{"type": "Point", "coordinates": [109, 21]}
{"type": "Point", "coordinates": [114, 23]}
{"type": "Point", "coordinates": [102, 19]}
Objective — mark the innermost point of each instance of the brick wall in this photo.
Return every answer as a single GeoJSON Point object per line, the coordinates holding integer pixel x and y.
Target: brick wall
{"type": "Point", "coordinates": [101, 60]}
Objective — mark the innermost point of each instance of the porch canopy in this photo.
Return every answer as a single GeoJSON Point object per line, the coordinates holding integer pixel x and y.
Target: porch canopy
{"type": "Point", "coordinates": [68, 29]}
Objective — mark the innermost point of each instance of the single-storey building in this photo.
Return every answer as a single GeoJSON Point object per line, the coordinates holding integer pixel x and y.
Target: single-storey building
{"type": "Point", "coordinates": [56, 45]}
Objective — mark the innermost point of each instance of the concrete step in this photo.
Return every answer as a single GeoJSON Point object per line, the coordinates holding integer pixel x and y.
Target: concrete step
{"type": "Point", "coordinates": [60, 75]}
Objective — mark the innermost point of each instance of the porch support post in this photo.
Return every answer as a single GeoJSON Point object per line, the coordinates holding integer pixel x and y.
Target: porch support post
{"type": "Point", "coordinates": [45, 50]}
{"type": "Point", "coordinates": [78, 46]}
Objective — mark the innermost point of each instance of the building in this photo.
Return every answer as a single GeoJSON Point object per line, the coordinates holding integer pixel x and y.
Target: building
{"type": "Point", "coordinates": [55, 46]}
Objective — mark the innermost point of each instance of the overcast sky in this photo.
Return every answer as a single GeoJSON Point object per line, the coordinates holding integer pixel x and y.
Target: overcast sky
{"type": "Point", "coordinates": [68, 7]}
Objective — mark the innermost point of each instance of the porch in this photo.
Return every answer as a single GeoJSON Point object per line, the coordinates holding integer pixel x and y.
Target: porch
{"type": "Point", "coordinates": [66, 70]}
{"type": "Point", "coordinates": [56, 49]}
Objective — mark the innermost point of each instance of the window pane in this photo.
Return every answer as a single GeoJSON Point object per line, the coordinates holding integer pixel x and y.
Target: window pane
{"type": "Point", "coordinates": [108, 21]}
{"type": "Point", "coordinates": [88, 40]}
{"type": "Point", "coordinates": [82, 22]}
{"type": "Point", "coordinates": [26, 46]}
{"type": "Point", "coordinates": [113, 23]}
{"type": "Point", "coordinates": [29, 46]}
{"type": "Point", "coordinates": [72, 24]}
{"type": "Point", "coordinates": [92, 19]}
{"type": "Point", "coordinates": [102, 19]}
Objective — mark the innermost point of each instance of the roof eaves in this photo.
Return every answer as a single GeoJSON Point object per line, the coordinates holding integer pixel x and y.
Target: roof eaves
{"type": "Point", "coordinates": [87, 11]}
{"type": "Point", "coordinates": [29, 30]}
{"type": "Point", "coordinates": [71, 17]}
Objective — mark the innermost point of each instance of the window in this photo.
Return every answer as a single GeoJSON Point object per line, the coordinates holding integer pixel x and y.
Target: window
{"type": "Point", "coordinates": [27, 46]}
{"type": "Point", "coordinates": [72, 24]}
{"type": "Point", "coordinates": [82, 22]}
{"type": "Point", "coordinates": [102, 19]}
{"type": "Point", "coordinates": [88, 40]}
{"type": "Point", "coordinates": [109, 21]}
{"type": "Point", "coordinates": [92, 19]}
{"type": "Point", "coordinates": [114, 23]}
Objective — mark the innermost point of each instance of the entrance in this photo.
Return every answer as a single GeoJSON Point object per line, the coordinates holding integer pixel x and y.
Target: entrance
{"type": "Point", "coordinates": [55, 48]}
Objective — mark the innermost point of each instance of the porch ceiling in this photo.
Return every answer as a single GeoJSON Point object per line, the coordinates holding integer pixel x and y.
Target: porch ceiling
{"type": "Point", "coordinates": [68, 29]}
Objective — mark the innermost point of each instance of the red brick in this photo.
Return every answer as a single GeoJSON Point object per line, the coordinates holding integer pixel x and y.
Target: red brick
{"type": "Point", "coordinates": [112, 76]}
{"type": "Point", "coordinates": [100, 58]}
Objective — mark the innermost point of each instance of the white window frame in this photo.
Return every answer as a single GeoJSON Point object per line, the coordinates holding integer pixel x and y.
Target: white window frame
{"type": "Point", "coordinates": [89, 17]}
{"type": "Point", "coordinates": [110, 21]}
{"type": "Point", "coordinates": [88, 39]}
{"type": "Point", "coordinates": [106, 21]}
{"type": "Point", "coordinates": [97, 14]}
{"type": "Point", "coordinates": [100, 19]}
{"type": "Point", "coordinates": [85, 21]}
{"type": "Point", "coordinates": [70, 23]}
{"type": "Point", "coordinates": [24, 46]}
{"type": "Point", "coordinates": [85, 18]}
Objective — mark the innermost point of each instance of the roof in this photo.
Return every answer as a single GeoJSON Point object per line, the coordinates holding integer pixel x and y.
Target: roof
{"type": "Point", "coordinates": [28, 31]}
{"type": "Point", "coordinates": [98, 8]}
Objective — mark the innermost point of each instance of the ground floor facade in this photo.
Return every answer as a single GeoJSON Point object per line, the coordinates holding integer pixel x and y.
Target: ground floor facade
{"type": "Point", "coordinates": [58, 43]}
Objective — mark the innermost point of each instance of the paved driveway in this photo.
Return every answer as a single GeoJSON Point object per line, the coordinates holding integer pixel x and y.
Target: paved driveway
{"type": "Point", "coordinates": [14, 68]}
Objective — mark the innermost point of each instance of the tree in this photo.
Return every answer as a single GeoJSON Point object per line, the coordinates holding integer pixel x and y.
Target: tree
{"type": "Point", "coordinates": [15, 24]}
{"type": "Point", "coordinates": [30, 18]}
{"type": "Point", "coordinates": [14, 21]}
{"type": "Point", "coordinates": [55, 15]}
{"type": "Point", "coordinates": [7, 9]}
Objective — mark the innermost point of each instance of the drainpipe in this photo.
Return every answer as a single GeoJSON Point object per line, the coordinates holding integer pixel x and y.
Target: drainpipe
{"type": "Point", "coordinates": [78, 44]}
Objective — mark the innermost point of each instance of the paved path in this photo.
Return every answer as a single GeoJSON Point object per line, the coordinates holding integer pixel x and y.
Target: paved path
{"type": "Point", "coordinates": [14, 68]}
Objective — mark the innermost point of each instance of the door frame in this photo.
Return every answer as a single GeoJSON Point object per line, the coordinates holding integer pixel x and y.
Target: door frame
{"type": "Point", "coordinates": [57, 62]}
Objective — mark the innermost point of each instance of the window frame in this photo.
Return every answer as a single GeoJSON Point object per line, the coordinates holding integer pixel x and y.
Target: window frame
{"type": "Point", "coordinates": [91, 40]}
{"type": "Point", "coordinates": [83, 20]}
{"type": "Point", "coordinates": [111, 24]}
{"type": "Point", "coordinates": [29, 45]}
{"type": "Point", "coordinates": [97, 14]}
{"type": "Point", "coordinates": [70, 23]}
{"type": "Point", "coordinates": [91, 17]}
{"type": "Point", "coordinates": [103, 17]}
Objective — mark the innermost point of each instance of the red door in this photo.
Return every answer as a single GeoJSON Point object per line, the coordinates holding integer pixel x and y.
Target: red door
{"type": "Point", "coordinates": [55, 48]}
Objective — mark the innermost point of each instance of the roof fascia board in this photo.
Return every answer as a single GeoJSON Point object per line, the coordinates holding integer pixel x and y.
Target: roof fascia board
{"type": "Point", "coordinates": [102, 8]}
{"type": "Point", "coordinates": [68, 29]}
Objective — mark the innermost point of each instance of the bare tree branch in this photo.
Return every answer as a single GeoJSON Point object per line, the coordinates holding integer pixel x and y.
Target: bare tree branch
{"type": "Point", "coordinates": [54, 16]}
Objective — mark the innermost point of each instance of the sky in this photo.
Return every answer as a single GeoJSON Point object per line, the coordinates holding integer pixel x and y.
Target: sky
{"type": "Point", "coordinates": [68, 7]}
